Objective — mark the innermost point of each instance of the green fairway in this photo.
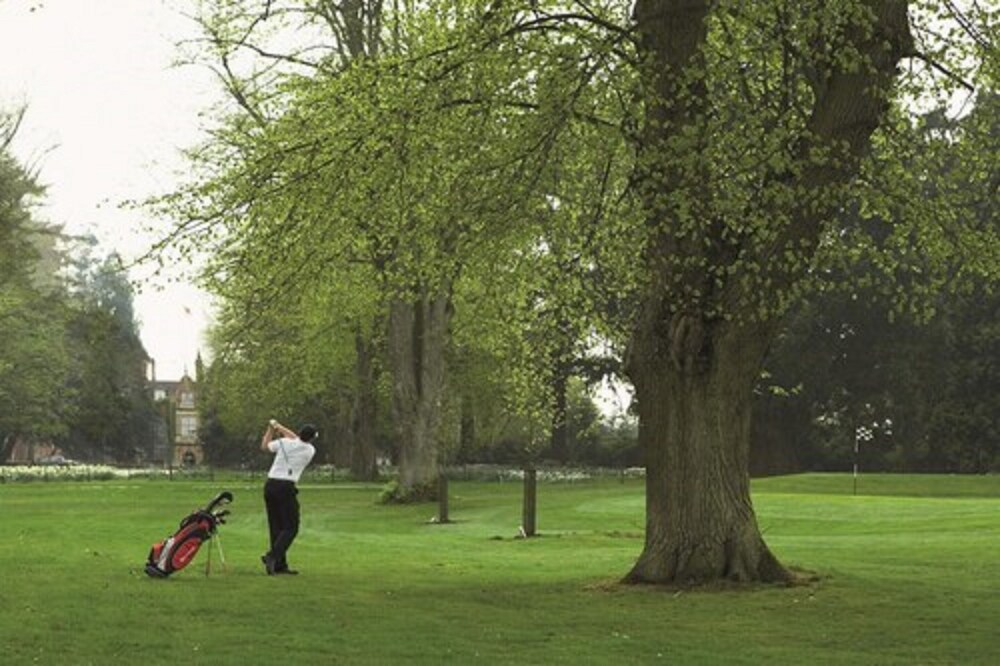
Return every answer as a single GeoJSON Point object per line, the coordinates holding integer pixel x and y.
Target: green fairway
{"type": "Point", "coordinates": [908, 575]}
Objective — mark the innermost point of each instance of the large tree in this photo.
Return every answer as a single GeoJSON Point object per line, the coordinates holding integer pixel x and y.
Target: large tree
{"type": "Point", "coordinates": [755, 126]}
{"type": "Point", "coordinates": [33, 356]}
{"type": "Point", "coordinates": [111, 411]}
{"type": "Point", "coordinates": [288, 133]}
{"type": "Point", "coordinates": [72, 367]}
{"type": "Point", "coordinates": [352, 169]}
{"type": "Point", "coordinates": [712, 303]}
{"type": "Point", "coordinates": [255, 49]}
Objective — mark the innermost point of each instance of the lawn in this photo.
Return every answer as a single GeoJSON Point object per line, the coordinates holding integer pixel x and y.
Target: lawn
{"type": "Point", "coordinates": [908, 575]}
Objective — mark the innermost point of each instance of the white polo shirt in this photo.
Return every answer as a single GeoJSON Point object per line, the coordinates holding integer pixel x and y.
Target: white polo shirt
{"type": "Point", "coordinates": [291, 456]}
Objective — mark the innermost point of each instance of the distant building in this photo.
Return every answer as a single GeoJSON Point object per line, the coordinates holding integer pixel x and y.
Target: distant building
{"type": "Point", "coordinates": [176, 441]}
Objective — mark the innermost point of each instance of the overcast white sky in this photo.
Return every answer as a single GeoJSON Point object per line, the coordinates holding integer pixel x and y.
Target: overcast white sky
{"type": "Point", "coordinates": [107, 115]}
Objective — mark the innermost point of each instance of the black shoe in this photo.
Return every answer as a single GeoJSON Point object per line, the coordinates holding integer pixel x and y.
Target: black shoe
{"type": "Point", "coordinates": [269, 564]}
{"type": "Point", "coordinates": [286, 572]}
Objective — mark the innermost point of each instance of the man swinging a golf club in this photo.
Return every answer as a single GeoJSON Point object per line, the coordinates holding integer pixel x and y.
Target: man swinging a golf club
{"type": "Point", "coordinates": [292, 454]}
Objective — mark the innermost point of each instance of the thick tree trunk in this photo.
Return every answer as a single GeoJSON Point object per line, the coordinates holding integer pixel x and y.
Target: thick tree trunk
{"type": "Point", "coordinates": [694, 398]}
{"type": "Point", "coordinates": [417, 338]}
{"type": "Point", "coordinates": [363, 467]}
{"type": "Point", "coordinates": [693, 379]}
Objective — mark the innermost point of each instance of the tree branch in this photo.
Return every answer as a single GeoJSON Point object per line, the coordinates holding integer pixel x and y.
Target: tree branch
{"type": "Point", "coordinates": [933, 64]}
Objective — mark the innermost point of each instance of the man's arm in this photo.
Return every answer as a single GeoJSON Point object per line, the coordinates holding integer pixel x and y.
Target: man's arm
{"type": "Point", "coordinates": [285, 432]}
{"type": "Point", "coordinates": [268, 436]}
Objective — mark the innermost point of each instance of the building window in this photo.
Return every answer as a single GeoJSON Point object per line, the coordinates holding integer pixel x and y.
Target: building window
{"type": "Point", "coordinates": [187, 427]}
{"type": "Point", "coordinates": [187, 400]}
{"type": "Point", "coordinates": [159, 394]}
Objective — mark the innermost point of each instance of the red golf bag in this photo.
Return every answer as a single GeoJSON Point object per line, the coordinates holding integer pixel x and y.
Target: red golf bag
{"type": "Point", "coordinates": [176, 551]}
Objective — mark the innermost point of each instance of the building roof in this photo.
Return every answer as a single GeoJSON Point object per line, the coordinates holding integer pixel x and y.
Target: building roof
{"type": "Point", "coordinates": [168, 387]}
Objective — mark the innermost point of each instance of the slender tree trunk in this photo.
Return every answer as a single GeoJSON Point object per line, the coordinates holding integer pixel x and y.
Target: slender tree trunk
{"type": "Point", "coordinates": [363, 467]}
{"type": "Point", "coordinates": [560, 433]}
{"type": "Point", "coordinates": [562, 365]}
{"type": "Point", "coordinates": [417, 338]}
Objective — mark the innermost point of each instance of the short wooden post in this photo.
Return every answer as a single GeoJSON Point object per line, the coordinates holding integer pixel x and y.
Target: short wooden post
{"type": "Point", "coordinates": [443, 498]}
{"type": "Point", "coordinates": [530, 501]}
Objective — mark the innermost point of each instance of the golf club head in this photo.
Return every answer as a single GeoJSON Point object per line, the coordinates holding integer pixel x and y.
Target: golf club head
{"type": "Point", "coordinates": [223, 498]}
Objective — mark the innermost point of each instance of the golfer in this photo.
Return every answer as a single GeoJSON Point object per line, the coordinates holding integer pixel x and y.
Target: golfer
{"type": "Point", "coordinates": [292, 454]}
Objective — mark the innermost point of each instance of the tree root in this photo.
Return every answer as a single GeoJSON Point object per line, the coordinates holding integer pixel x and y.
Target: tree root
{"type": "Point", "coordinates": [734, 562]}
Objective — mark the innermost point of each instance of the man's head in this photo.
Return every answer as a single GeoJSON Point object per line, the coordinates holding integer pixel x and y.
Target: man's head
{"type": "Point", "coordinates": [307, 433]}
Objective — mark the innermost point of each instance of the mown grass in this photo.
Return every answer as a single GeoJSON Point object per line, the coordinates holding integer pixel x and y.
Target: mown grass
{"type": "Point", "coordinates": [908, 575]}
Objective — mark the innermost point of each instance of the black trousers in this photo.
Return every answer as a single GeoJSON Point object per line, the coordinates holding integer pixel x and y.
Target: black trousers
{"type": "Point", "coordinates": [282, 518]}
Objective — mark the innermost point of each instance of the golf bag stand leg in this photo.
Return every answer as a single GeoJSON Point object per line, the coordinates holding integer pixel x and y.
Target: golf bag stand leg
{"type": "Point", "coordinates": [222, 556]}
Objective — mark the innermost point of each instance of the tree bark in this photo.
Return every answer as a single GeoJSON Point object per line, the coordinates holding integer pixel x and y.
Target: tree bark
{"type": "Point", "coordinates": [417, 338]}
{"type": "Point", "coordinates": [694, 428]}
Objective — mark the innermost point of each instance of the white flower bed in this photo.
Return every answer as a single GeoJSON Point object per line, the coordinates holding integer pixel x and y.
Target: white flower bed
{"type": "Point", "coordinates": [547, 475]}
{"type": "Point", "coordinates": [21, 473]}
{"type": "Point", "coordinates": [543, 474]}
{"type": "Point", "coordinates": [57, 473]}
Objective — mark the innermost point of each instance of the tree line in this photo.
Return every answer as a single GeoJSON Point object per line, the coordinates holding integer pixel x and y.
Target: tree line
{"type": "Point", "coordinates": [72, 367]}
